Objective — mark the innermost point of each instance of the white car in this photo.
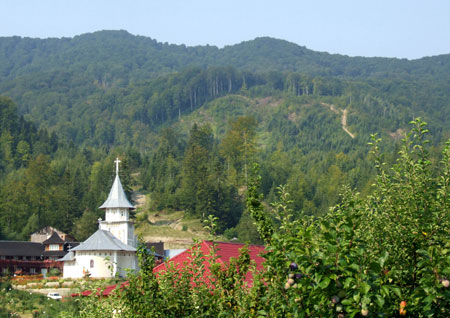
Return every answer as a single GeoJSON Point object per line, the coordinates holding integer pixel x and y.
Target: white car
{"type": "Point", "coordinates": [55, 296]}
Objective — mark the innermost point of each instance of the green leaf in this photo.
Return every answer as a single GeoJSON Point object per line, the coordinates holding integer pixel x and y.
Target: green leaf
{"type": "Point", "coordinates": [380, 301]}
{"type": "Point", "coordinates": [346, 301]}
{"type": "Point", "coordinates": [385, 290]}
{"type": "Point", "coordinates": [397, 291]}
{"type": "Point", "coordinates": [324, 283]}
{"type": "Point", "coordinates": [365, 288]}
{"type": "Point", "coordinates": [383, 258]}
{"type": "Point", "coordinates": [348, 282]}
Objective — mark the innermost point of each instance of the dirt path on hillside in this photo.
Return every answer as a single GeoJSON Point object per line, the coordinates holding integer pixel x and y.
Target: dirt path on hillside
{"type": "Point", "coordinates": [343, 118]}
{"type": "Point", "coordinates": [344, 123]}
{"type": "Point", "coordinates": [139, 199]}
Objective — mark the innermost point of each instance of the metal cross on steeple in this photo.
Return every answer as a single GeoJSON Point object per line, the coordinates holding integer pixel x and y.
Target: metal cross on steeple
{"type": "Point", "coordinates": [117, 161]}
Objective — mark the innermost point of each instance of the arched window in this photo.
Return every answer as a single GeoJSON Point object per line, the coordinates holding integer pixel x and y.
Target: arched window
{"type": "Point", "coordinates": [92, 263]}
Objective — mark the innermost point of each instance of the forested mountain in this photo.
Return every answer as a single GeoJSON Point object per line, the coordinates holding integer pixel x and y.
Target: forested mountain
{"type": "Point", "coordinates": [121, 57]}
{"type": "Point", "coordinates": [191, 120]}
{"type": "Point", "coordinates": [66, 85]}
{"type": "Point", "coordinates": [46, 181]}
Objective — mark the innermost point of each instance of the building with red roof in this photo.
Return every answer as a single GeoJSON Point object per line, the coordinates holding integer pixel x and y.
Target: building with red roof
{"type": "Point", "coordinates": [224, 251]}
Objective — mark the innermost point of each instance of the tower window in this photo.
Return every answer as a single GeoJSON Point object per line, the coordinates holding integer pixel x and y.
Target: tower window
{"type": "Point", "coordinates": [92, 263]}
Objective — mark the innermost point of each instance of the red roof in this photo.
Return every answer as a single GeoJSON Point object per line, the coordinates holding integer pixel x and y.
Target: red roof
{"type": "Point", "coordinates": [105, 291]}
{"type": "Point", "coordinates": [224, 252]}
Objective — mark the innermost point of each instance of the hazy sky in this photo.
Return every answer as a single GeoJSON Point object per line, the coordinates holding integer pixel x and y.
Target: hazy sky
{"type": "Point", "coordinates": [389, 28]}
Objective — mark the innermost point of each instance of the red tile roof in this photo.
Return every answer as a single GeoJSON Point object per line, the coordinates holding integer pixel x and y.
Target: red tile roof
{"type": "Point", "coordinates": [224, 252]}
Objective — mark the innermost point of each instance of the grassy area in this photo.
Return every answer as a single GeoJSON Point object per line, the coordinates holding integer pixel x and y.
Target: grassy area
{"type": "Point", "coordinates": [27, 304]}
{"type": "Point", "coordinates": [163, 231]}
{"type": "Point", "coordinates": [15, 303]}
{"type": "Point", "coordinates": [171, 227]}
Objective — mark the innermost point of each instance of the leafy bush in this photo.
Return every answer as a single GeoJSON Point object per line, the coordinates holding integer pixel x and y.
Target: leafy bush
{"type": "Point", "coordinates": [381, 256]}
{"type": "Point", "coordinates": [53, 272]}
{"type": "Point", "coordinates": [386, 255]}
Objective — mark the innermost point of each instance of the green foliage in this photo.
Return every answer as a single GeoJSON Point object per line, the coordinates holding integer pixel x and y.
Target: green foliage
{"type": "Point", "coordinates": [204, 189]}
{"type": "Point", "coordinates": [139, 99]}
{"type": "Point", "coordinates": [255, 207]}
{"type": "Point", "coordinates": [238, 146]}
{"type": "Point", "coordinates": [179, 292]}
{"type": "Point", "coordinates": [46, 182]}
{"type": "Point", "coordinates": [386, 255]}
{"type": "Point", "coordinates": [366, 254]}
{"type": "Point", "coordinates": [15, 303]}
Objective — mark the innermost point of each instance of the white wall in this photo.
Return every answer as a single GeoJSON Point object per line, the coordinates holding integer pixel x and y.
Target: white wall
{"type": "Point", "coordinates": [124, 231]}
{"type": "Point", "coordinates": [106, 264]}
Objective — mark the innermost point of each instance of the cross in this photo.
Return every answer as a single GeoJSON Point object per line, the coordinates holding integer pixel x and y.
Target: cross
{"type": "Point", "coordinates": [117, 161]}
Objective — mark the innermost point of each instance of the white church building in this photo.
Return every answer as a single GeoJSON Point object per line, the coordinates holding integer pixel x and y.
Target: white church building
{"type": "Point", "coordinates": [111, 250]}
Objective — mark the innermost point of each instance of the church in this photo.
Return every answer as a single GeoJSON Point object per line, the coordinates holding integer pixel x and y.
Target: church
{"type": "Point", "coordinates": [111, 250]}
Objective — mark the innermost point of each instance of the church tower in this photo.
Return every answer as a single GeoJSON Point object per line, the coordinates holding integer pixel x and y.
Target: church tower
{"type": "Point", "coordinates": [117, 213]}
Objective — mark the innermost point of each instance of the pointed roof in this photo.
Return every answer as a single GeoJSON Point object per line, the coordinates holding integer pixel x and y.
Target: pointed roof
{"type": "Point", "coordinates": [54, 239]}
{"type": "Point", "coordinates": [103, 241]}
{"type": "Point", "coordinates": [117, 197]}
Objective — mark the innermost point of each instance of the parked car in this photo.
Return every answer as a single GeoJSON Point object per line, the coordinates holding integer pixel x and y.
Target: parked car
{"type": "Point", "coordinates": [55, 296]}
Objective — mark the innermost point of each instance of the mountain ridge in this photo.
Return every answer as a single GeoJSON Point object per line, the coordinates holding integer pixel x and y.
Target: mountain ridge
{"type": "Point", "coordinates": [259, 54]}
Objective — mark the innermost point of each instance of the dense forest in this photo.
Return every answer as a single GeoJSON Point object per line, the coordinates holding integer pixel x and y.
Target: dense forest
{"type": "Point", "coordinates": [188, 122]}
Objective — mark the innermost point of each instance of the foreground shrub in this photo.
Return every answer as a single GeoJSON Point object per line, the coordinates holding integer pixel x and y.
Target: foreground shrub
{"type": "Point", "coordinates": [386, 255]}
{"type": "Point", "coordinates": [382, 256]}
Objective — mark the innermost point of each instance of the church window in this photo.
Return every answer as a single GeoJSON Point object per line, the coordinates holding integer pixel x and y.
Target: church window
{"type": "Point", "coordinates": [92, 263]}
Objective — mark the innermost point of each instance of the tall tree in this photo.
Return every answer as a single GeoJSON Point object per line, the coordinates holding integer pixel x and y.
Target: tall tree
{"type": "Point", "coordinates": [39, 186]}
{"type": "Point", "coordinates": [239, 144]}
{"type": "Point", "coordinates": [196, 167]}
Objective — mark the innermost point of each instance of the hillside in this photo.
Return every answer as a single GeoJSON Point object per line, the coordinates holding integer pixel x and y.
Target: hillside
{"type": "Point", "coordinates": [135, 84]}
{"type": "Point", "coordinates": [190, 121]}
{"type": "Point", "coordinates": [118, 57]}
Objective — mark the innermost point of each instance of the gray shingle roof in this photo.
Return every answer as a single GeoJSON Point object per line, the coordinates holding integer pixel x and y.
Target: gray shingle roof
{"type": "Point", "coordinates": [117, 197]}
{"type": "Point", "coordinates": [54, 239]}
{"type": "Point", "coordinates": [103, 241]}
{"type": "Point", "coordinates": [19, 248]}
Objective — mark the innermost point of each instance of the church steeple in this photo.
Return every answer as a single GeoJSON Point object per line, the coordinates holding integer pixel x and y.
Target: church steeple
{"type": "Point", "coordinates": [117, 209]}
{"type": "Point", "coordinates": [117, 197]}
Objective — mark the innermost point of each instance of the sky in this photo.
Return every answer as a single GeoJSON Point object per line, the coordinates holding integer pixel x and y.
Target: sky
{"type": "Point", "coordinates": [387, 28]}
